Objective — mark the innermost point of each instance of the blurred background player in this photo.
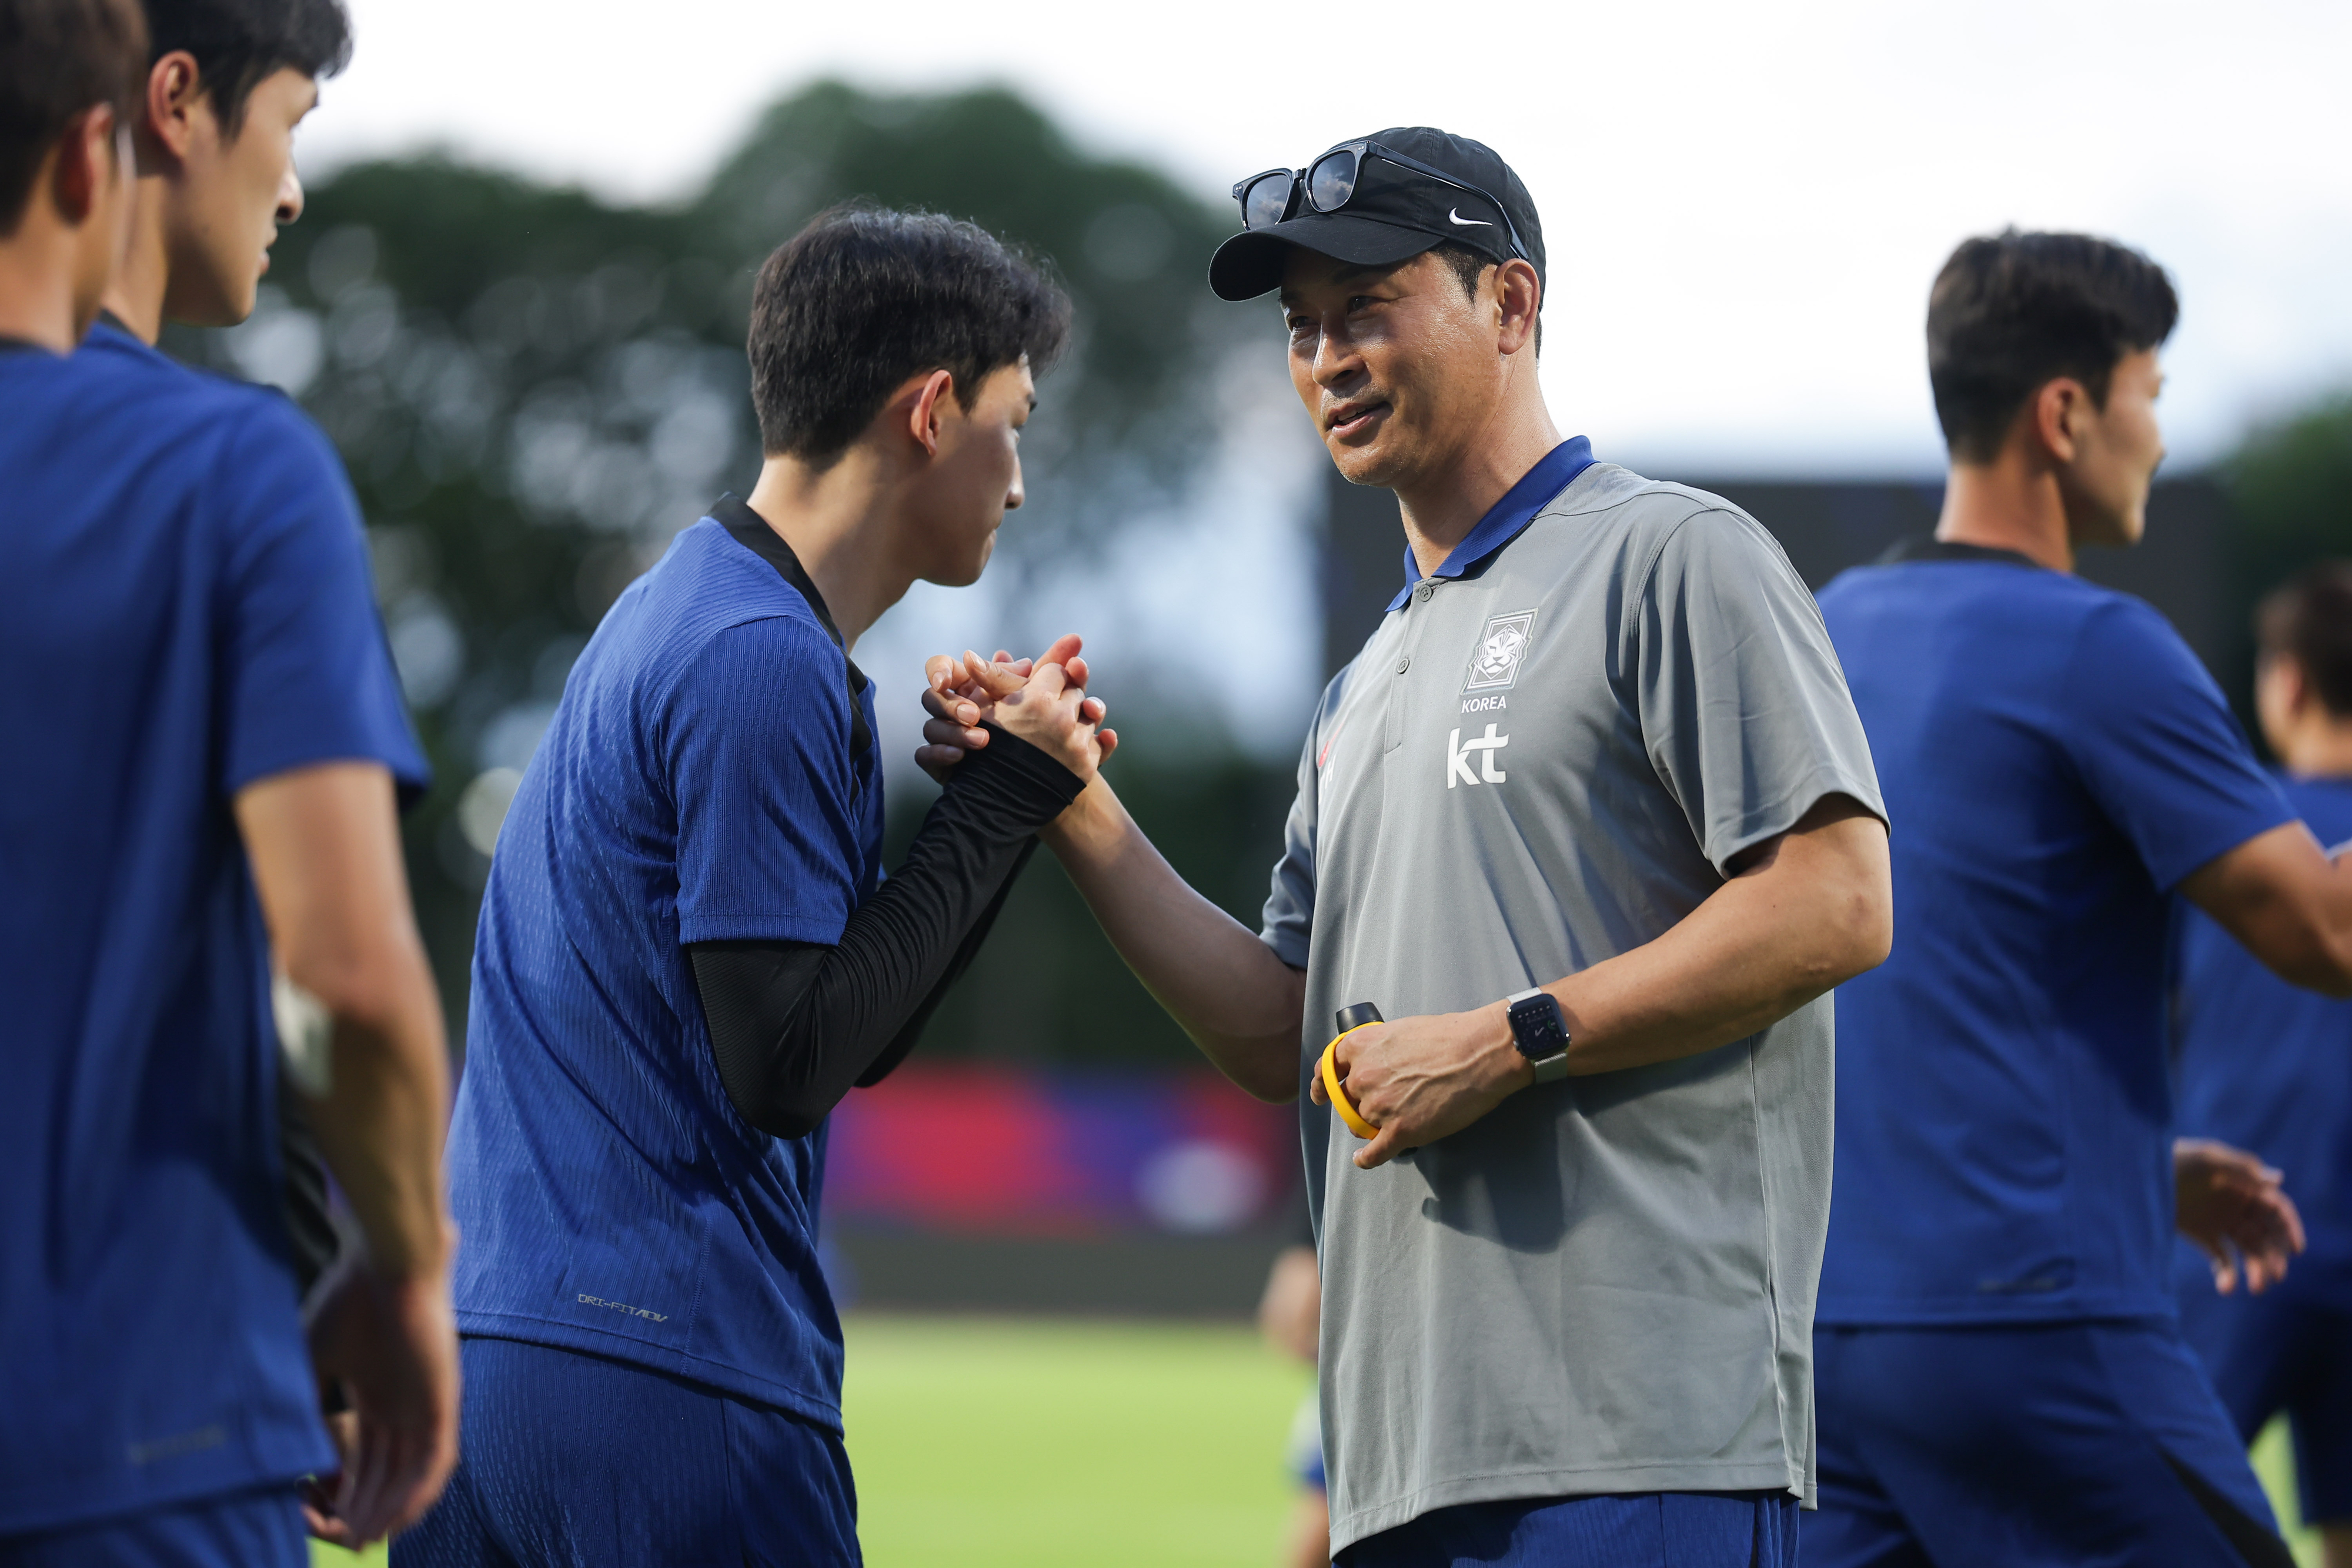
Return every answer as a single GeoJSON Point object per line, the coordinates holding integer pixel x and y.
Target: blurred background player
{"type": "Point", "coordinates": [2001, 1375]}
{"type": "Point", "coordinates": [213, 190]}
{"type": "Point", "coordinates": [1289, 1314]}
{"type": "Point", "coordinates": [213, 740]}
{"type": "Point", "coordinates": [1565, 1287]}
{"type": "Point", "coordinates": [2267, 1067]}
{"type": "Point", "coordinates": [229, 83]}
{"type": "Point", "coordinates": [688, 956]}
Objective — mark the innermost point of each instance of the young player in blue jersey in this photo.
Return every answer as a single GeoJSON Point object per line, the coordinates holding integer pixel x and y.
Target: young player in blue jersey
{"type": "Point", "coordinates": [687, 953]}
{"type": "Point", "coordinates": [1999, 1374]}
{"type": "Point", "coordinates": [210, 740]}
{"type": "Point", "coordinates": [2266, 1067]}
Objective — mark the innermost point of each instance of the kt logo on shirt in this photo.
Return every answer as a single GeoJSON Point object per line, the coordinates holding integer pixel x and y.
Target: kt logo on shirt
{"type": "Point", "coordinates": [1458, 753]}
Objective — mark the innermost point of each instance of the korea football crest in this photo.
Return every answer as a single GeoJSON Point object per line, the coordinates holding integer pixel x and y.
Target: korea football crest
{"type": "Point", "coordinates": [1494, 663]}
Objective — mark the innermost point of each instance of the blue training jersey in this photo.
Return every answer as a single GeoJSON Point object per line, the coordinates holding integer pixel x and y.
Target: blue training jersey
{"type": "Point", "coordinates": [2267, 1066]}
{"type": "Point", "coordinates": [184, 610]}
{"type": "Point", "coordinates": [708, 775]}
{"type": "Point", "coordinates": [2055, 760]}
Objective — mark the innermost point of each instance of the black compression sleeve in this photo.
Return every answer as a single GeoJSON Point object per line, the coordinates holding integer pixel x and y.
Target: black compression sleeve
{"type": "Point", "coordinates": [912, 1029]}
{"type": "Point", "coordinates": [794, 1025]}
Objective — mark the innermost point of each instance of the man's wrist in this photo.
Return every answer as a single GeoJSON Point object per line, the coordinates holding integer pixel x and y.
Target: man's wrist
{"type": "Point", "coordinates": [423, 1258]}
{"type": "Point", "coordinates": [1089, 827]}
{"type": "Point", "coordinates": [1539, 1033]}
{"type": "Point", "coordinates": [1513, 1071]}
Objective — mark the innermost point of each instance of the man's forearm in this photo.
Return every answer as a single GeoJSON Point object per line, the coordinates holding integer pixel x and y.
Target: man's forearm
{"type": "Point", "coordinates": [324, 844]}
{"type": "Point", "coordinates": [1810, 909]}
{"type": "Point", "coordinates": [1813, 911]}
{"type": "Point", "coordinates": [1241, 1004]}
{"type": "Point", "coordinates": [380, 1125]}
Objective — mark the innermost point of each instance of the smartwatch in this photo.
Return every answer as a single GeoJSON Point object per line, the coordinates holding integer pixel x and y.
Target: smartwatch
{"type": "Point", "coordinates": [1540, 1033]}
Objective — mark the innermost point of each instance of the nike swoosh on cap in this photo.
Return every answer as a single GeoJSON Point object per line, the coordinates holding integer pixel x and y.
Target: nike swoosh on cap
{"type": "Point", "coordinates": [1455, 214]}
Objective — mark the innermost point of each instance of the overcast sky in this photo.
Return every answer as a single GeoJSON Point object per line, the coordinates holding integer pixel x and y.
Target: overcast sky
{"type": "Point", "coordinates": [1743, 203]}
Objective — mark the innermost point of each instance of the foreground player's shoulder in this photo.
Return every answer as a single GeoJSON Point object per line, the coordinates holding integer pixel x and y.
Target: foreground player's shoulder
{"type": "Point", "coordinates": [150, 400]}
{"type": "Point", "coordinates": [186, 394]}
{"type": "Point", "coordinates": [250, 445]}
{"type": "Point", "coordinates": [270, 438]}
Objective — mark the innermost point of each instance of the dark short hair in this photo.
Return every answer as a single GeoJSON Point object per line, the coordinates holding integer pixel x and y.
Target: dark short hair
{"type": "Point", "coordinates": [239, 44]}
{"type": "Point", "coordinates": [866, 296]}
{"type": "Point", "coordinates": [2013, 312]}
{"type": "Point", "coordinates": [2309, 618]}
{"type": "Point", "coordinates": [58, 59]}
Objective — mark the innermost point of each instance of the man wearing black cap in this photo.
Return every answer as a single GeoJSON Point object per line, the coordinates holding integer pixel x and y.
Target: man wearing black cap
{"type": "Point", "coordinates": [1591, 820]}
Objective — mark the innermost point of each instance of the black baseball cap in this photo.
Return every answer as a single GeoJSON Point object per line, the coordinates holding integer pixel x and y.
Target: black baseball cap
{"type": "Point", "coordinates": [1395, 214]}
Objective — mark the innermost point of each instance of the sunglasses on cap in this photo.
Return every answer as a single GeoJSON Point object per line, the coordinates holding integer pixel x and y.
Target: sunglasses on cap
{"type": "Point", "coordinates": [1330, 183]}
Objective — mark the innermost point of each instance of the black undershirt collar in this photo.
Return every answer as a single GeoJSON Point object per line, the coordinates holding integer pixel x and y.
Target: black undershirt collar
{"type": "Point", "coordinates": [753, 532]}
{"type": "Point", "coordinates": [1933, 549]}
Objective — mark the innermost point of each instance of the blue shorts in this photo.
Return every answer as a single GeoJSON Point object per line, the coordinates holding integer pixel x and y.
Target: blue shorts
{"type": "Point", "coordinates": [573, 1459]}
{"type": "Point", "coordinates": [1645, 1530]}
{"type": "Point", "coordinates": [257, 1529]}
{"type": "Point", "coordinates": [2275, 1353]}
{"type": "Point", "coordinates": [2041, 1445]}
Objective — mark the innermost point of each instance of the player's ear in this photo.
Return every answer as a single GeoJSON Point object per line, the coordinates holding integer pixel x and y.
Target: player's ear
{"type": "Point", "coordinates": [929, 408]}
{"type": "Point", "coordinates": [2292, 686]}
{"type": "Point", "coordinates": [1517, 294]}
{"type": "Point", "coordinates": [168, 114]}
{"type": "Point", "coordinates": [85, 160]}
{"type": "Point", "coordinates": [2058, 409]}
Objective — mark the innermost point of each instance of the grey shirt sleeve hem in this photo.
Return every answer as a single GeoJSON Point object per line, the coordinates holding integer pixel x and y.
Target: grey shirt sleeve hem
{"type": "Point", "coordinates": [1288, 945]}
{"type": "Point", "coordinates": [1772, 819]}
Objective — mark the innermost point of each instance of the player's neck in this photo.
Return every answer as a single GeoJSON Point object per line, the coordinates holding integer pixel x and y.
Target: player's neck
{"type": "Point", "coordinates": [136, 297]}
{"type": "Point", "coordinates": [37, 286]}
{"type": "Point", "coordinates": [839, 521]}
{"type": "Point", "coordinates": [2318, 744]}
{"type": "Point", "coordinates": [2008, 504]}
{"type": "Point", "coordinates": [1443, 504]}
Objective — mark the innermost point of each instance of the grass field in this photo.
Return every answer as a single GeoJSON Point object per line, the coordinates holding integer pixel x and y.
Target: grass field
{"type": "Point", "coordinates": [991, 1443]}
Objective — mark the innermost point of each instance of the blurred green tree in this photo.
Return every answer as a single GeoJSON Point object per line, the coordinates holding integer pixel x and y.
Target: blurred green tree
{"type": "Point", "coordinates": [534, 389]}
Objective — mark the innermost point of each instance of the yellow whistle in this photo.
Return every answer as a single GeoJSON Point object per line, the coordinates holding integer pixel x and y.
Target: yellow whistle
{"type": "Point", "coordinates": [1352, 1018]}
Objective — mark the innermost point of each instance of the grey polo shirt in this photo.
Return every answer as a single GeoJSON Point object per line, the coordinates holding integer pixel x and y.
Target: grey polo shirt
{"type": "Point", "coordinates": [1606, 1285]}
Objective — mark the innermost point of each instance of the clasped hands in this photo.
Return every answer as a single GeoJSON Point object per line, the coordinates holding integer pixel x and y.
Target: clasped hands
{"type": "Point", "coordinates": [1043, 700]}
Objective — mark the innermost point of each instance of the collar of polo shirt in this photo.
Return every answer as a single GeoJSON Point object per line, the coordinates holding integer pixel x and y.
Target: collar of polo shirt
{"type": "Point", "coordinates": [1507, 518]}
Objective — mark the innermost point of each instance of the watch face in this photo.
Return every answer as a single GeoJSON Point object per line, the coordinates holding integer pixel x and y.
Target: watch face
{"type": "Point", "coordinates": [1536, 1025]}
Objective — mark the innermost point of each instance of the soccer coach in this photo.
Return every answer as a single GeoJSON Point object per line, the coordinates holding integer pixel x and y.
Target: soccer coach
{"type": "Point", "coordinates": [1590, 819]}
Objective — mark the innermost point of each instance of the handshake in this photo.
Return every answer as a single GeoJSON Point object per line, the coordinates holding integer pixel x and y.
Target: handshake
{"type": "Point", "coordinates": [1043, 701]}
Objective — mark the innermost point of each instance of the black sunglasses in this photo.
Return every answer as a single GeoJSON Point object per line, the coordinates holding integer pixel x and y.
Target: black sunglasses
{"type": "Point", "coordinates": [1330, 181]}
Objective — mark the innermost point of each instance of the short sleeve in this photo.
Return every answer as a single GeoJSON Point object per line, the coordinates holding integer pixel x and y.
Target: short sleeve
{"type": "Point", "coordinates": [2157, 746]}
{"type": "Point", "coordinates": [1743, 706]}
{"type": "Point", "coordinates": [306, 675]}
{"type": "Point", "coordinates": [770, 831]}
{"type": "Point", "coordinates": [1289, 916]}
